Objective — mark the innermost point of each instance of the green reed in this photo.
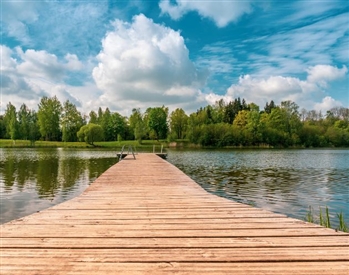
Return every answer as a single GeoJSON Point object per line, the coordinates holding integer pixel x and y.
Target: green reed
{"type": "Point", "coordinates": [342, 225]}
{"type": "Point", "coordinates": [324, 219]}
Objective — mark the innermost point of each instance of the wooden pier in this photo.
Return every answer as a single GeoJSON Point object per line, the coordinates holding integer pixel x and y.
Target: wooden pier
{"type": "Point", "coordinates": [145, 216]}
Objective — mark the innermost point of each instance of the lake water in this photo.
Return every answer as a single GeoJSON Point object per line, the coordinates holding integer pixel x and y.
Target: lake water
{"type": "Point", "coordinates": [283, 181]}
{"type": "Point", "coordinates": [35, 179]}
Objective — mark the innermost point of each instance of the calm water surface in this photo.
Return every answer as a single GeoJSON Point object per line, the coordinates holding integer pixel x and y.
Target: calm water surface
{"type": "Point", "coordinates": [35, 179]}
{"type": "Point", "coordinates": [283, 181]}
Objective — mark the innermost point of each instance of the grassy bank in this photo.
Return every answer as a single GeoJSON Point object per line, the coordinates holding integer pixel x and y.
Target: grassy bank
{"type": "Point", "coordinates": [6, 143]}
{"type": "Point", "coordinates": [147, 144]}
{"type": "Point", "coordinates": [179, 144]}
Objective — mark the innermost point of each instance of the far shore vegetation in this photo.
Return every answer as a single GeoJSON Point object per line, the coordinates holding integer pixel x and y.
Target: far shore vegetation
{"type": "Point", "coordinates": [146, 144]}
{"type": "Point", "coordinates": [234, 124]}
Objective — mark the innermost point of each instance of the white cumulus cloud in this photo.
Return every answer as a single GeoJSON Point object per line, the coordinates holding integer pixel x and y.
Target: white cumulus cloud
{"type": "Point", "coordinates": [327, 103]}
{"type": "Point", "coordinates": [260, 90]}
{"type": "Point", "coordinates": [221, 12]}
{"type": "Point", "coordinates": [279, 88]}
{"type": "Point", "coordinates": [145, 63]}
{"type": "Point", "coordinates": [28, 76]}
{"type": "Point", "coordinates": [325, 73]}
{"type": "Point", "coordinates": [41, 64]}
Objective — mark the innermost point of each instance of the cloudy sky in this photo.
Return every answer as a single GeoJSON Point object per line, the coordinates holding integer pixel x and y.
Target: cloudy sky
{"type": "Point", "coordinates": [177, 53]}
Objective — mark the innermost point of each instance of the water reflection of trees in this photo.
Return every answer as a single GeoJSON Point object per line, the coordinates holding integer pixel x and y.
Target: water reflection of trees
{"type": "Point", "coordinates": [25, 173]}
{"type": "Point", "coordinates": [47, 177]}
{"type": "Point", "coordinates": [70, 171]}
{"type": "Point", "coordinates": [49, 174]}
{"type": "Point", "coordinates": [17, 171]}
{"type": "Point", "coordinates": [96, 167]}
{"type": "Point", "coordinates": [9, 172]}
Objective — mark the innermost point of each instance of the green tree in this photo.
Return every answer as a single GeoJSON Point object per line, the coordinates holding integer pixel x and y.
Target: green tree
{"type": "Point", "coordinates": [311, 135]}
{"type": "Point", "coordinates": [293, 121]}
{"type": "Point", "coordinates": [253, 124]}
{"type": "Point", "coordinates": [269, 106]}
{"type": "Point", "coordinates": [34, 132]}
{"type": "Point", "coordinates": [100, 116]}
{"type": "Point", "coordinates": [23, 118]}
{"type": "Point", "coordinates": [2, 127]}
{"type": "Point", "coordinates": [157, 121]}
{"type": "Point", "coordinates": [137, 124]}
{"type": "Point", "coordinates": [193, 128]}
{"type": "Point", "coordinates": [241, 119]}
{"type": "Point", "coordinates": [247, 123]}
{"type": "Point", "coordinates": [49, 115]}
{"type": "Point", "coordinates": [71, 121]}
{"type": "Point", "coordinates": [90, 133]}
{"type": "Point", "coordinates": [203, 116]}
{"type": "Point", "coordinates": [118, 126]}
{"type": "Point", "coordinates": [219, 109]}
{"type": "Point", "coordinates": [140, 130]}
{"type": "Point", "coordinates": [135, 117]}
{"type": "Point", "coordinates": [233, 108]}
{"type": "Point", "coordinates": [93, 117]}
{"type": "Point", "coordinates": [275, 130]}
{"type": "Point", "coordinates": [178, 123]}
{"type": "Point", "coordinates": [104, 119]}
{"type": "Point", "coordinates": [11, 122]}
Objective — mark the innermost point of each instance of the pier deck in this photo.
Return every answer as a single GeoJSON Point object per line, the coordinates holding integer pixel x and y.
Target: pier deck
{"type": "Point", "coordinates": [145, 216]}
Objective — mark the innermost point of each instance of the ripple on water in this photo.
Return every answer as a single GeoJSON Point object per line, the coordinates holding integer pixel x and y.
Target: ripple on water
{"type": "Point", "coordinates": [284, 181]}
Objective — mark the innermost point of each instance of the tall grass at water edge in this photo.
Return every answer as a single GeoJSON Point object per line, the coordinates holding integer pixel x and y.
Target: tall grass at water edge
{"type": "Point", "coordinates": [324, 219]}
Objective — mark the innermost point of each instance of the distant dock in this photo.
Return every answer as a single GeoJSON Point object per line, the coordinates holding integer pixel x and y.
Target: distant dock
{"type": "Point", "coordinates": [144, 216]}
{"type": "Point", "coordinates": [124, 155]}
{"type": "Point", "coordinates": [127, 150]}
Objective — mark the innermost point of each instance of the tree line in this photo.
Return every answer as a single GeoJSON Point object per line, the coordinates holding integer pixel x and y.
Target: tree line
{"type": "Point", "coordinates": [233, 123]}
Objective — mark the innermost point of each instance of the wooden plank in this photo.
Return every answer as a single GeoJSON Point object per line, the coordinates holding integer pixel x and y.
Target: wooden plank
{"type": "Point", "coordinates": [79, 231]}
{"type": "Point", "coordinates": [202, 242]}
{"type": "Point", "coordinates": [81, 268]}
{"type": "Point", "coordinates": [181, 223]}
{"type": "Point", "coordinates": [170, 224]}
{"type": "Point", "coordinates": [183, 254]}
{"type": "Point", "coordinates": [145, 216]}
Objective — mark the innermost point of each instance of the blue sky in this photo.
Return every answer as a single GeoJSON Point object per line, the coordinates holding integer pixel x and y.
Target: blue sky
{"type": "Point", "coordinates": [181, 54]}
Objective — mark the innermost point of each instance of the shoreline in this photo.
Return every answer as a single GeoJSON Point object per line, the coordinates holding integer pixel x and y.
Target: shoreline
{"type": "Point", "coordinates": [146, 144]}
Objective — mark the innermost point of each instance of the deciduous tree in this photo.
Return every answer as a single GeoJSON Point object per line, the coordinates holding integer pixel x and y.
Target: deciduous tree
{"type": "Point", "coordinates": [71, 121]}
{"type": "Point", "coordinates": [90, 133]}
{"type": "Point", "coordinates": [178, 123]}
{"type": "Point", "coordinates": [49, 115]}
{"type": "Point", "coordinates": [157, 121]}
{"type": "Point", "coordinates": [11, 121]}
{"type": "Point", "coordinates": [23, 120]}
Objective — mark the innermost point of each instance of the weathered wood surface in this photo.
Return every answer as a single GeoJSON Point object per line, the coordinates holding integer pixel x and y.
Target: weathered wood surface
{"type": "Point", "coordinates": [144, 216]}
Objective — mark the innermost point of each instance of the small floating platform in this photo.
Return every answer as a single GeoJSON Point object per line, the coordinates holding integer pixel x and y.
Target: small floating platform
{"type": "Point", "coordinates": [161, 155]}
{"type": "Point", "coordinates": [124, 155]}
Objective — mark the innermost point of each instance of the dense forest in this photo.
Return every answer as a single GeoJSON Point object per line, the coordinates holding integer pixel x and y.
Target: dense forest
{"type": "Point", "coordinates": [234, 123]}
